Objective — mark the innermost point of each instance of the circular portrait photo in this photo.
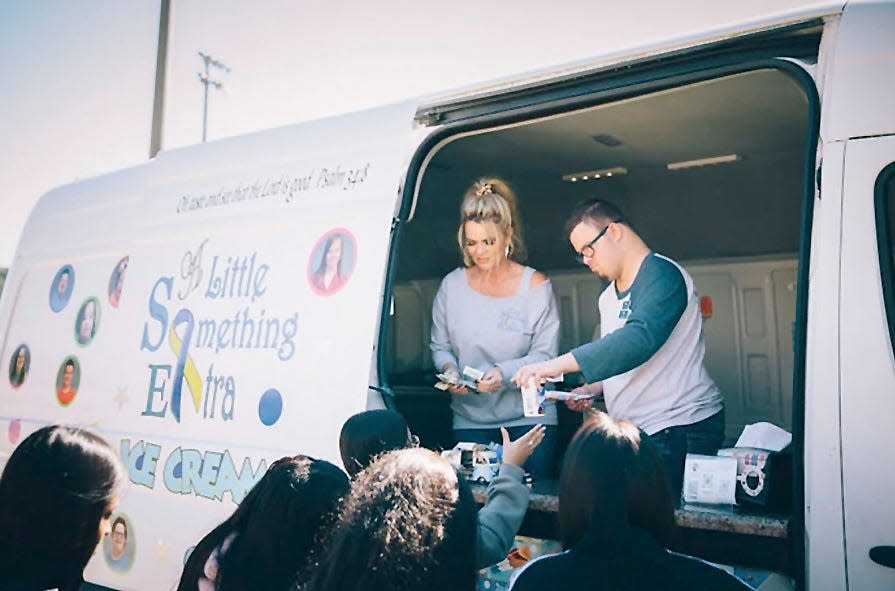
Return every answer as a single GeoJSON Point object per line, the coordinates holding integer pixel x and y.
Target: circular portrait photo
{"type": "Point", "coordinates": [87, 321]}
{"type": "Point", "coordinates": [120, 545]}
{"type": "Point", "coordinates": [61, 288]}
{"type": "Point", "coordinates": [116, 281]}
{"type": "Point", "coordinates": [18, 365]}
{"type": "Point", "coordinates": [68, 378]}
{"type": "Point", "coordinates": [332, 261]}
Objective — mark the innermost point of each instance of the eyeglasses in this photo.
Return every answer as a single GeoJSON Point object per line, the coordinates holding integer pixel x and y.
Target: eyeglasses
{"type": "Point", "coordinates": [588, 249]}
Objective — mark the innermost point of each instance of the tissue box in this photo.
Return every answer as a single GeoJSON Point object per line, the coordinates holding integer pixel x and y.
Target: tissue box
{"type": "Point", "coordinates": [709, 479]}
{"type": "Point", "coordinates": [764, 478]}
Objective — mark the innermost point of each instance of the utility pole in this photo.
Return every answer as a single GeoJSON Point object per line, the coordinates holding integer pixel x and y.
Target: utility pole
{"type": "Point", "coordinates": [206, 80]}
{"type": "Point", "coordinates": [161, 62]}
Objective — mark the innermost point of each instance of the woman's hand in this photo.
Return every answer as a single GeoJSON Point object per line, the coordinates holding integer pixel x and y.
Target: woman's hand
{"type": "Point", "coordinates": [516, 452]}
{"type": "Point", "coordinates": [455, 388]}
{"type": "Point", "coordinates": [491, 381]}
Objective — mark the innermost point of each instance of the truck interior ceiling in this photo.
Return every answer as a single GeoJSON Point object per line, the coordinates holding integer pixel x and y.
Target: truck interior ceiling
{"type": "Point", "coordinates": [710, 173]}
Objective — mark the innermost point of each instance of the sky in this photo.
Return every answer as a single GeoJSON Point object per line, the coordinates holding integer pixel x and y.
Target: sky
{"type": "Point", "coordinates": [77, 78]}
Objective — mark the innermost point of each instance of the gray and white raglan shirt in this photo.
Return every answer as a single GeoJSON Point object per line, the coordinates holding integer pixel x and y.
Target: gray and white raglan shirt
{"type": "Point", "coordinates": [481, 331]}
{"type": "Point", "coordinates": [650, 354]}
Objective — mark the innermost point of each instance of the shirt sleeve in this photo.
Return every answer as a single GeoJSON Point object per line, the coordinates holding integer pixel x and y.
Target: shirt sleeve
{"type": "Point", "coordinates": [544, 341]}
{"type": "Point", "coordinates": [658, 299]}
{"type": "Point", "coordinates": [439, 339]}
{"type": "Point", "coordinates": [501, 516]}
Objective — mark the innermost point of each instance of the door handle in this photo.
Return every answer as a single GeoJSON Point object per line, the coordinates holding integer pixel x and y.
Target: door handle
{"type": "Point", "coordinates": [883, 555]}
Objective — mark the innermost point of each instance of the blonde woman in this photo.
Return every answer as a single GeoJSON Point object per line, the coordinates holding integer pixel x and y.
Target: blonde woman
{"type": "Point", "coordinates": [496, 315]}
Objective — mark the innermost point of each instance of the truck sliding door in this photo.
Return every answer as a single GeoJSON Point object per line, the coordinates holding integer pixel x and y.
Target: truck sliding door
{"type": "Point", "coordinates": [866, 319]}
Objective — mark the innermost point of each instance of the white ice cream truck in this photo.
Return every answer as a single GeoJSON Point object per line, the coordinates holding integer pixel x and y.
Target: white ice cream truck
{"type": "Point", "coordinates": [203, 344]}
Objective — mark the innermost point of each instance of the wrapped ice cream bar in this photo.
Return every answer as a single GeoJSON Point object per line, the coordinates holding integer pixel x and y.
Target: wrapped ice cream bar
{"type": "Point", "coordinates": [473, 373]}
{"type": "Point", "coordinates": [557, 395]}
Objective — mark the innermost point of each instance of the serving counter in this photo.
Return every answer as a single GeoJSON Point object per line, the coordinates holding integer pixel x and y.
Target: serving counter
{"type": "Point", "coordinates": [727, 534]}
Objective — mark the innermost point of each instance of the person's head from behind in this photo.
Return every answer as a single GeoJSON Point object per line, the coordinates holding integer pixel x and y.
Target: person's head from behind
{"type": "Point", "coordinates": [278, 525]}
{"type": "Point", "coordinates": [490, 229]}
{"type": "Point", "coordinates": [409, 523]}
{"type": "Point", "coordinates": [599, 233]}
{"type": "Point", "coordinates": [119, 537]}
{"type": "Point", "coordinates": [370, 433]}
{"type": "Point", "coordinates": [57, 493]}
{"type": "Point", "coordinates": [612, 476]}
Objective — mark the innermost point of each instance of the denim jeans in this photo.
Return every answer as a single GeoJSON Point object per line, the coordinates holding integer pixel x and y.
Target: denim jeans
{"type": "Point", "coordinates": [674, 443]}
{"type": "Point", "coordinates": [539, 464]}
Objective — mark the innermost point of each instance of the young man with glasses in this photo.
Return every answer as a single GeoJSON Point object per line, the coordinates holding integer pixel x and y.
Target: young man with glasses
{"type": "Point", "coordinates": [648, 363]}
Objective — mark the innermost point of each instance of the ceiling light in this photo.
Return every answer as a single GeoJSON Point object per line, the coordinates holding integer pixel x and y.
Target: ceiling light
{"type": "Point", "coordinates": [607, 140]}
{"type": "Point", "coordinates": [703, 162]}
{"type": "Point", "coordinates": [587, 174]}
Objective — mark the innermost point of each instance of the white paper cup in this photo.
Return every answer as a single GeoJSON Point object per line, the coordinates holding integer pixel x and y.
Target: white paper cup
{"type": "Point", "coordinates": [531, 404]}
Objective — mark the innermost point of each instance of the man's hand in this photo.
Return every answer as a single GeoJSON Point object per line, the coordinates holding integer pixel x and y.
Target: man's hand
{"type": "Point", "coordinates": [584, 405]}
{"type": "Point", "coordinates": [516, 452]}
{"type": "Point", "coordinates": [537, 371]}
{"type": "Point", "coordinates": [491, 381]}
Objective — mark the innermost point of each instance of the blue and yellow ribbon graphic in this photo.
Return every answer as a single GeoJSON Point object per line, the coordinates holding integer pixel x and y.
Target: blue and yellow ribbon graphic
{"type": "Point", "coordinates": [185, 365]}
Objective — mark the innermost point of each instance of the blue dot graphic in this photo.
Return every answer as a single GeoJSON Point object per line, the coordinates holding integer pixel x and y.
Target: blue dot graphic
{"type": "Point", "coordinates": [178, 470]}
{"type": "Point", "coordinates": [139, 463]}
{"type": "Point", "coordinates": [270, 407]}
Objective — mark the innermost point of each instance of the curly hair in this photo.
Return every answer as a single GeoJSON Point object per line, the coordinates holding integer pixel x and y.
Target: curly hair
{"type": "Point", "coordinates": [409, 523]}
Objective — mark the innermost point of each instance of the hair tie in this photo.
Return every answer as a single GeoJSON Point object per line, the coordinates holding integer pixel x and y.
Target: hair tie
{"type": "Point", "coordinates": [483, 189]}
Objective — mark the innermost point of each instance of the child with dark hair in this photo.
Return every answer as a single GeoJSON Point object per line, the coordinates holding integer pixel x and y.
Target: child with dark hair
{"type": "Point", "coordinates": [57, 493]}
{"type": "Point", "coordinates": [270, 539]}
{"type": "Point", "coordinates": [408, 524]}
{"type": "Point", "coordinates": [616, 520]}
{"type": "Point", "coordinates": [368, 434]}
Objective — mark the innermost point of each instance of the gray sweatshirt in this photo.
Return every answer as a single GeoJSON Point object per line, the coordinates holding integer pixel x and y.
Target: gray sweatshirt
{"type": "Point", "coordinates": [481, 331]}
{"type": "Point", "coordinates": [501, 517]}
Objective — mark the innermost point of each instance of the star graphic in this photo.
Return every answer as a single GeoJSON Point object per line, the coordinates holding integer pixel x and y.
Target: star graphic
{"type": "Point", "coordinates": [161, 550]}
{"type": "Point", "coordinates": [121, 398]}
